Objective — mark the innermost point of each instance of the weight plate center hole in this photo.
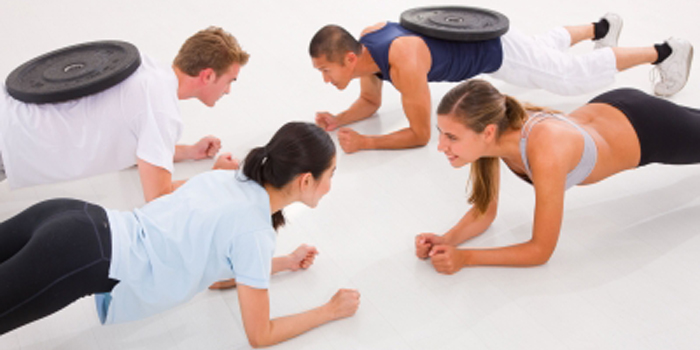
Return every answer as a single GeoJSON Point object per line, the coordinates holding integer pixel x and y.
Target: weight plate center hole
{"type": "Point", "coordinates": [72, 67]}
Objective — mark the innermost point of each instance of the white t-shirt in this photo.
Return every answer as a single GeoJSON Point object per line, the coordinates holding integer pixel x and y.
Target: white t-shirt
{"type": "Point", "coordinates": [216, 226]}
{"type": "Point", "coordinates": [99, 133]}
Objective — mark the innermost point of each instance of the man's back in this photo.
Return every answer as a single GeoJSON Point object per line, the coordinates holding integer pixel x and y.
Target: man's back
{"type": "Point", "coordinates": [95, 134]}
{"type": "Point", "coordinates": [451, 60]}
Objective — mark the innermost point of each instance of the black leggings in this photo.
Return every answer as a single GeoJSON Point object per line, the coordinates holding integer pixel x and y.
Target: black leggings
{"type": "Point", "coordinates": [667, 133]}
{"type": "Point", "coordinates": [52, 254]}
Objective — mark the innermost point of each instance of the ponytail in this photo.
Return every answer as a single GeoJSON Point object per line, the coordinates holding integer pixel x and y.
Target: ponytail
{"type": "Point", "coordinates": [483, 170]}
{"type": "Point", "coordinates": [254, 169]}
{"type": "Point", "coordinates": [515, 113]}
{"type": "Point", "coordinates": [296, 148]}
{"type": "Point", "coordinates": [481, 177]}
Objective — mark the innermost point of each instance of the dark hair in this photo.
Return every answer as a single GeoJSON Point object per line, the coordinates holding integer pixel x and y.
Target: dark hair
{"type": "Point", "coordinates": [333, 41]}
{"type": "Point", "coordinates": [296, 148]}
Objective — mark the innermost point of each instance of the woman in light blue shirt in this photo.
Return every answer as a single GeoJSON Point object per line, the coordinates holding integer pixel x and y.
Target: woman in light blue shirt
{"type": "Point", "coordinates": [218, 225]}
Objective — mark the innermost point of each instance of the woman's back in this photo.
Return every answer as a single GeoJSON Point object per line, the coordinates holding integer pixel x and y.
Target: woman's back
{"type": "Point", "coordinates": [615, 138]}
{"type": "Point", "coordinates": [216, 226]}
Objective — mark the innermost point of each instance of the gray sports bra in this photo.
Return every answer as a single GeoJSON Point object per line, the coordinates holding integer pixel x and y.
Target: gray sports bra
{"type": "Point", "coordinates": [588, 157]}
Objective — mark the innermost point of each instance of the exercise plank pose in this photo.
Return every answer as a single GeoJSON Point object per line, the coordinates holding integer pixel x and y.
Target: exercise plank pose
{"type": "Point", "coordinates": [136, 122]}
{"type": "Point", "coordinates": [616, 131]}
{"type": "Point", "coordinates": [409, 61]}
{"type": "Point", "coordinates": [218, 225]}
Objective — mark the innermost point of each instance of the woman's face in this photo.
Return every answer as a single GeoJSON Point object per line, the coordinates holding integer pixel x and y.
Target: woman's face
{"type": "Point", "coordinates": [460, 144]}
{"type": "Point", "coordinates": [317, 188]}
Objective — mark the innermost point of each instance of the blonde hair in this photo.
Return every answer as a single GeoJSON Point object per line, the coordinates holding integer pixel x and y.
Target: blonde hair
{"type": "Point", "coordinates": [210, 48]}
{"type": "Point", "coordinates": [477, 104]}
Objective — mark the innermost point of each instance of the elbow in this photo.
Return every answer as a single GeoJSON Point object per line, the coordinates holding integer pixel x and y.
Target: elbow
{"type": "Point", "coordinates": [257, 342]}
{"type": "Point", "coordinates": [540, 255]}
{"type": "Point", "coordinates": [541, 261]}
{"type": "Point", "coordinates": [372, 102]}
{"type": "Point", "coordinates": [153, 195]}
{"type": "Point", "coordinates": [422, 137]}
{"type": "Point", "coordinates": [260, 339]}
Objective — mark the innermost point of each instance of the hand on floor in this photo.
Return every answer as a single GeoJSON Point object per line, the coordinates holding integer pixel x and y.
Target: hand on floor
{"type": "Point", "coordinates": [302, 257]}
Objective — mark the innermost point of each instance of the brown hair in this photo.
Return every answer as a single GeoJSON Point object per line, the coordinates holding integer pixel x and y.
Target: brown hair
{"type": "Point", "coordinates": [333, 42]}
{"type": "Point", "coordinates": [477, 104]}
{"type": "Point", "coordinates": [210, 48]}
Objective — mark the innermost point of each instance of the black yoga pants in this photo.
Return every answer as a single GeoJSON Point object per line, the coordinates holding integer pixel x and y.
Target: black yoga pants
{"type": "Point", "coordinates": [668, 133]}
{"type": "Point", "coordinates": [52, 254]}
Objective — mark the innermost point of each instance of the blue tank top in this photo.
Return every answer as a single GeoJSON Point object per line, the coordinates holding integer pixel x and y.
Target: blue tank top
{"type": "Point", "coordinates": [452, 61]}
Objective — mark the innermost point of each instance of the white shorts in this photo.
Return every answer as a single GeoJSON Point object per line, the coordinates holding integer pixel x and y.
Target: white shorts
{"type": "Point", "coordinates": [2, 169]}
{"type": "Point", "coordinates": [541, 61]}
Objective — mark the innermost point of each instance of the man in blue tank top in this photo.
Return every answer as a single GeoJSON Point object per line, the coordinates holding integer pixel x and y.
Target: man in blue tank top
{"type": "Point", "coordinates": [409, 61]}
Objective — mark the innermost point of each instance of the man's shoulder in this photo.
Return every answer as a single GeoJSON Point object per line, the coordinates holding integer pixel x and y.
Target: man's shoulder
{"type": "Point", "coordinates": [152, 71]}
{"type": "Point", "coordinates": [373, 28]}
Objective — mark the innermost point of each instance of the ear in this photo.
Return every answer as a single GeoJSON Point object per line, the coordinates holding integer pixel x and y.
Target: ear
{"type": "Point", "coordinates": [305, 181]}
{"type": "Point", "coordinates": [207, 75]}
{"type": "Point", "coordinates": [490, 132]}
{"type": "Point", "coordinates": [350, 58]}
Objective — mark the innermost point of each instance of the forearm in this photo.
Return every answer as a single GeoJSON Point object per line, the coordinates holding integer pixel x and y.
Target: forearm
{"type": "Point", "coordinates": [166, 188]}
{"type": "Point", "coordinates": [177, 184]}
{"type": "Point", "coordinates": [359, 110]}
{"type": "Point", "coordinates": [471, 225]}
{"type": "Point", "coordinates": [284, 328]}
{"type": "Point", "coordinates": [280, 263]}
{"type": "Point", "coordinates": [404, 138]}
{"type": "Point", "coordinates": [182, 152]}
{"type": "Point", "coordinates": [524, 254]}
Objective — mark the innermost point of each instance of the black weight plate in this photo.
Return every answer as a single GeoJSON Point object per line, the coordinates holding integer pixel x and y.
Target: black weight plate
{"type": "Point", "coordinates": [456, 23]}
{"type": "Point", "coordinates": [73, 72]}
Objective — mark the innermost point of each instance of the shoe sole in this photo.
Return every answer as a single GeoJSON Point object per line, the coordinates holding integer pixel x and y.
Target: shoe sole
{"type": "Point", "coordinates": [687, 74]}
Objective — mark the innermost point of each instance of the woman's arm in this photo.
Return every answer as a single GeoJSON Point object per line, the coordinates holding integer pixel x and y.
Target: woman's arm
{"type": "Point", "coordinates": [549, 166]}
{"type": "Point", "coordinates": [472, 224]}
{"type": "Point", "coordinates": [261, 331]}
{"type": "Point", "coordinates": [301, 258]}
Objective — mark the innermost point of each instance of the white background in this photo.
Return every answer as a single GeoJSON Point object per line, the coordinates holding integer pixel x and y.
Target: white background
{"type": "Point", "coordinates": [626, 272]}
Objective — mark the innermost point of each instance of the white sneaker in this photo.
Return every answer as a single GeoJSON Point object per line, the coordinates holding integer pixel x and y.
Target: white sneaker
{"type": "Point", "coordinates": [674, 70]}
{"type": "Point", "coordinates": [610, 39]}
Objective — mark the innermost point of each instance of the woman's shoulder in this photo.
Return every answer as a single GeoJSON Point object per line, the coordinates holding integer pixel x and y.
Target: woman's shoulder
{"type": "Point", "coordinates": [553, 145]}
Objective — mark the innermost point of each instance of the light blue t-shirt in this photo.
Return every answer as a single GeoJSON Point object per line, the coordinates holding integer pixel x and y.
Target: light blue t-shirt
{"type": "Point", "coordinates": [216, 226]}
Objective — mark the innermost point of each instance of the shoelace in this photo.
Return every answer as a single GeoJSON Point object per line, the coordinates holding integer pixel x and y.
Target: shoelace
{"type": "Point", "coordinates": [655, 75]}
{"type": "Point", "coordinates": [663, 77]}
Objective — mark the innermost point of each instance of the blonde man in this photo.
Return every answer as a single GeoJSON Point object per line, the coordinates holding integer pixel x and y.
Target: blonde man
{"type": "Point", "coordinates": [136, 122]}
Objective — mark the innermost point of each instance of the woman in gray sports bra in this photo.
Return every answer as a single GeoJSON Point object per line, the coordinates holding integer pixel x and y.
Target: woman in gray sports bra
{"type": "Point", "coordinates": [618, 130]}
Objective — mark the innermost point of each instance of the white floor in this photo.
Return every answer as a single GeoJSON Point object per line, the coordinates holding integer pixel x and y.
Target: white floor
{"type": "Point", "coordinates": [626, 272]}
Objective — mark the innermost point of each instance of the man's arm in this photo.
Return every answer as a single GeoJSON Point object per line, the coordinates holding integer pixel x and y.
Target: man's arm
{"type": "Point", "coordinates": [364, 107]}
{"type": "Point", "coordinates": [207, 147]}
{"type": "Point", "coordinates": [155, 181]}
{"type": "Point", "coordinates": [409, 58]}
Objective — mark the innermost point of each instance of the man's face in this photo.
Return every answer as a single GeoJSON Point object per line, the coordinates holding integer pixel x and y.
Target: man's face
{"type": "Point", "coordinates": [337, 73]}
{"type": "Point", "coordinates": [217, 86]}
